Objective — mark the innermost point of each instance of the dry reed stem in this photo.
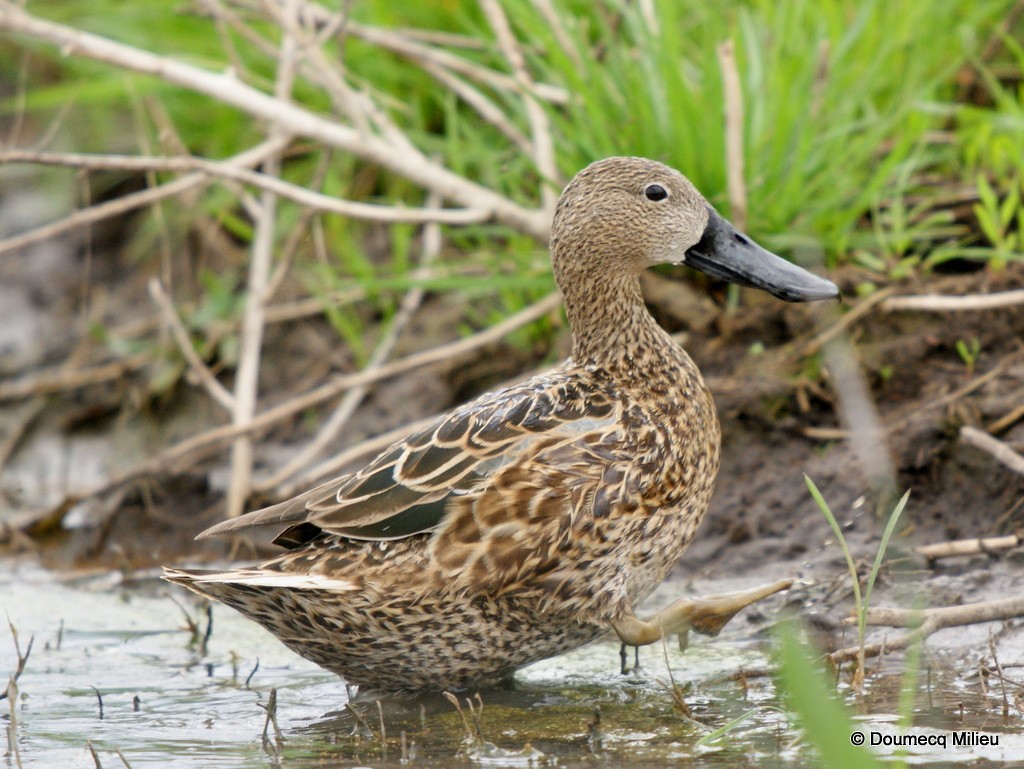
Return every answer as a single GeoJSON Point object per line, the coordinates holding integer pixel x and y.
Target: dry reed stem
{"type": "Point", "coordinates": [191, 450]}
{"type": "Point", "coordinates": [87, 216]}
{"type": "Point", "coordinates": [11, 689]}
{"type": "Point", "coordinates": [333, 426]}
{"type": "Point", "coordinates": [289, 117]}
{"type": "Point", "coordinates": [296, 234]}
{"type": "Point", "coordinates": [939, 303]}
{"type": "Point", "coordinates": [968, 547]}
{"type": "Point", "coordinates": [547, 10]}
{"type": "Point", "coordinates": [997, 448]}
{"type": "Point", "coordinates": [862, 308]}
{"type": "Point", "coordinates": [832, 433]}
{"type": "Point", "coordinates": [253, 322]}
{"type": "Point", "coordinates": [540, 127]}
{"type": "Point", "coordinates": [228, 171]}
{"type": "Point", "coordinates": [12, 723]}
{"type": "Point", "coordinates": [212, 385]}
{"type": "Point", "coordinates": [18, 427]}
{"type": "Point", "coordinates": [733, 134]}
{"type": "Point", "coordinates": [1007, 420]}
{"type": "Point", "coordinates": [359, 107]}
{"type": "Point", "coordinates": [925, 622]}
{"type": "Point", "coordinates": [1001, 676]}
{"type": "Point", "coordinates": [361, 451]}
{"type": "Point", "coordinates": [340, 99]}
{"type": "Point", "coordinates": [485, 108]}
{"type": "Point", "coordinates": [397, 43]}
{"type": "Point", "coordinates": [62, 378]}
{"type": "Point", "coordinates": [859, 412]}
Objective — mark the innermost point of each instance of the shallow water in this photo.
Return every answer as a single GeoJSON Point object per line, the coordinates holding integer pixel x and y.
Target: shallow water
{"type": "Point", "coordinates": [166, 704]}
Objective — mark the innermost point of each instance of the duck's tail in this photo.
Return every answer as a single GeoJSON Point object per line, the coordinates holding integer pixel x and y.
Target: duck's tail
{"type": "Point", "coordinates": [218, 584]}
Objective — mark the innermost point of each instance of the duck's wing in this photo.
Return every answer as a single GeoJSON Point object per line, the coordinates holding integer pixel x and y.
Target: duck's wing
{"type": "Point", "coordinates": [406, 490]}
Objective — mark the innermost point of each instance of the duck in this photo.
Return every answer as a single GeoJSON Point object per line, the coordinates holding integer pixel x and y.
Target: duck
{"type": "Point", "coordinates": [537, 518]}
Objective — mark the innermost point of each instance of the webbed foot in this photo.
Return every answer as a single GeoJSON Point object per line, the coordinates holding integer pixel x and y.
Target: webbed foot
{"type": "Point", "coordinates": [707, 615]}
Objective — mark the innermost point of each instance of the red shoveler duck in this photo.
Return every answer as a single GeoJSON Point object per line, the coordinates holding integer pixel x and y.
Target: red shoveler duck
{"type": "Point", "coordinates": [535, 519]}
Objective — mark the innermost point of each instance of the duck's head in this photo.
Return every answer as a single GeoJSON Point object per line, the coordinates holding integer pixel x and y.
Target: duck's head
{"type": "Point", "coordinates": [626, 214]}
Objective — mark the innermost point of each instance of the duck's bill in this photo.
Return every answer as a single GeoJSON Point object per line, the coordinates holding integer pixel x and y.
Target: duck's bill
{"type": "Point", "coordinates": [725, 252]}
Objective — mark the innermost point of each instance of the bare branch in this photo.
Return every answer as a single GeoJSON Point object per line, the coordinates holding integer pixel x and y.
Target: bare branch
{"type": "Point", "coordinates": [62, 378]}
{"type": "Point", "coordinates": [968, 547]}
{"type": "Point", "coordinates": [397, 43]}
{"type": "Point", "coordinates": [543, 145]}
{"type": "Point", "coordinates": [253, 317]}
{"type": "Point", "coordinates": [265, 182]}
{"type": "Point", "coordinates": [199, 446]}
{"type": "Point", "coordinates": [939, 303]}
{"type": "Point", "coordinates": [290, 117]}
{"type": "Point", "coordinates": [216, 390]}
{"type": "Point", "coordinates": [928, 621]}
{"type": "Point", "coordinates": [119, 206]}
{"type": "Point", "coordinates": [997, 448]}
{"type": "Point", "coordinates": [733, 134]}
{"type": "Point", "coordinates": [348, 405]}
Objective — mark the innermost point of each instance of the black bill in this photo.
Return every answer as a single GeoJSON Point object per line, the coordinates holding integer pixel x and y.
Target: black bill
{"type": "Point", "coordinates": [725, 252]}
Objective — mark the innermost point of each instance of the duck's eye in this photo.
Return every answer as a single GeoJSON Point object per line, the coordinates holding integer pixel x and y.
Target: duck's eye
{"type": "Point", "coordinates": [655, 192]}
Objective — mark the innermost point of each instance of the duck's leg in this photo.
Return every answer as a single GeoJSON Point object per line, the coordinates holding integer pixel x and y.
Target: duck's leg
{"type": "Point", "coordinates": [624, 657]}
{"type": "Point", "coordinates": [706, 615]}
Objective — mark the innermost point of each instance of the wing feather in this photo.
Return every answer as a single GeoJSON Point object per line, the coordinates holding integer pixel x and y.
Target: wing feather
{"type": "Point", "coordinates": [406, 490]}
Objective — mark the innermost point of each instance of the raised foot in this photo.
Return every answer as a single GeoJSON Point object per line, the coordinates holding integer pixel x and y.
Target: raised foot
{"type": "Point", "coordinates": [707, 615]}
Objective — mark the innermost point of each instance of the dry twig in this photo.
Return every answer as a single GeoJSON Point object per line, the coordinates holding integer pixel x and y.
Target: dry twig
{"type": "Point", "coordinates": [11, 689]}
{"type": "Point", "coordinates": [289, 117]}
{"type": "Point", "coordinates": [968, 547]}
{"type": "Point", "coordinates": [862, 308]}
{"type": "Point", "coordinates": [733, 134]}
{"type": "Point", "coordinates": [199, 446]}
{"type": "Point", "coordinates": [997, 448]}
{"type": "Point", "coordinates": [12, 725]}
{"type": "Point", "coordinates": [404, 46]}
{"type": "Point", "coordinates": [362, 450]}
{"type": "Point", "coordinates": [271, 710]}
{"type": "Point", "coordinates": [543, 145]}
{"type": "Point", "coordinates": [22, 421]}
{"type": "Point", "coordinates": [333, 426]}
{"type": "Point", "coordinates": [216, 390]}
{"type": "Point", "coordinates": [228, 171]}
{"type": "Point", "coordinates": [831, 433]}
{"type": "Point", "coordinates": [939, 303]}
{"type": "Point", "coordinates": [1007, 420]}
{"type": "Point", "coordinates": [925, 622]}
{"type": "Point", "coordinates": [99, 212]}
{"type": "Point", "coordinates": [243, 403]}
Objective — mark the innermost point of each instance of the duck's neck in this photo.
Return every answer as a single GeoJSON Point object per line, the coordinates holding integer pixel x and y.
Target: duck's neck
{"type": "Point", "coordinates": [612, 327]}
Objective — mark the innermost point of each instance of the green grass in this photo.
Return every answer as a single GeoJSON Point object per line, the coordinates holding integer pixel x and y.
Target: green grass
{"type": "Point", "coordinates": [862, 601]}
{"type": "Point", "coordinates": [826, 721]}
{"type": "Point", "coordinates": [836, 98]}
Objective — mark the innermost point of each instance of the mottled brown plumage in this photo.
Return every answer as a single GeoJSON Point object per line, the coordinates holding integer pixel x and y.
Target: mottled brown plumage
{"type": "Point", "coordinates": [529, 521]}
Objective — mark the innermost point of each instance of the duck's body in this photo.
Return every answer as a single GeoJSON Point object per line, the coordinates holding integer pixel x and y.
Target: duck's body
{"type": "Point", "coordinates": [532, 520]}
